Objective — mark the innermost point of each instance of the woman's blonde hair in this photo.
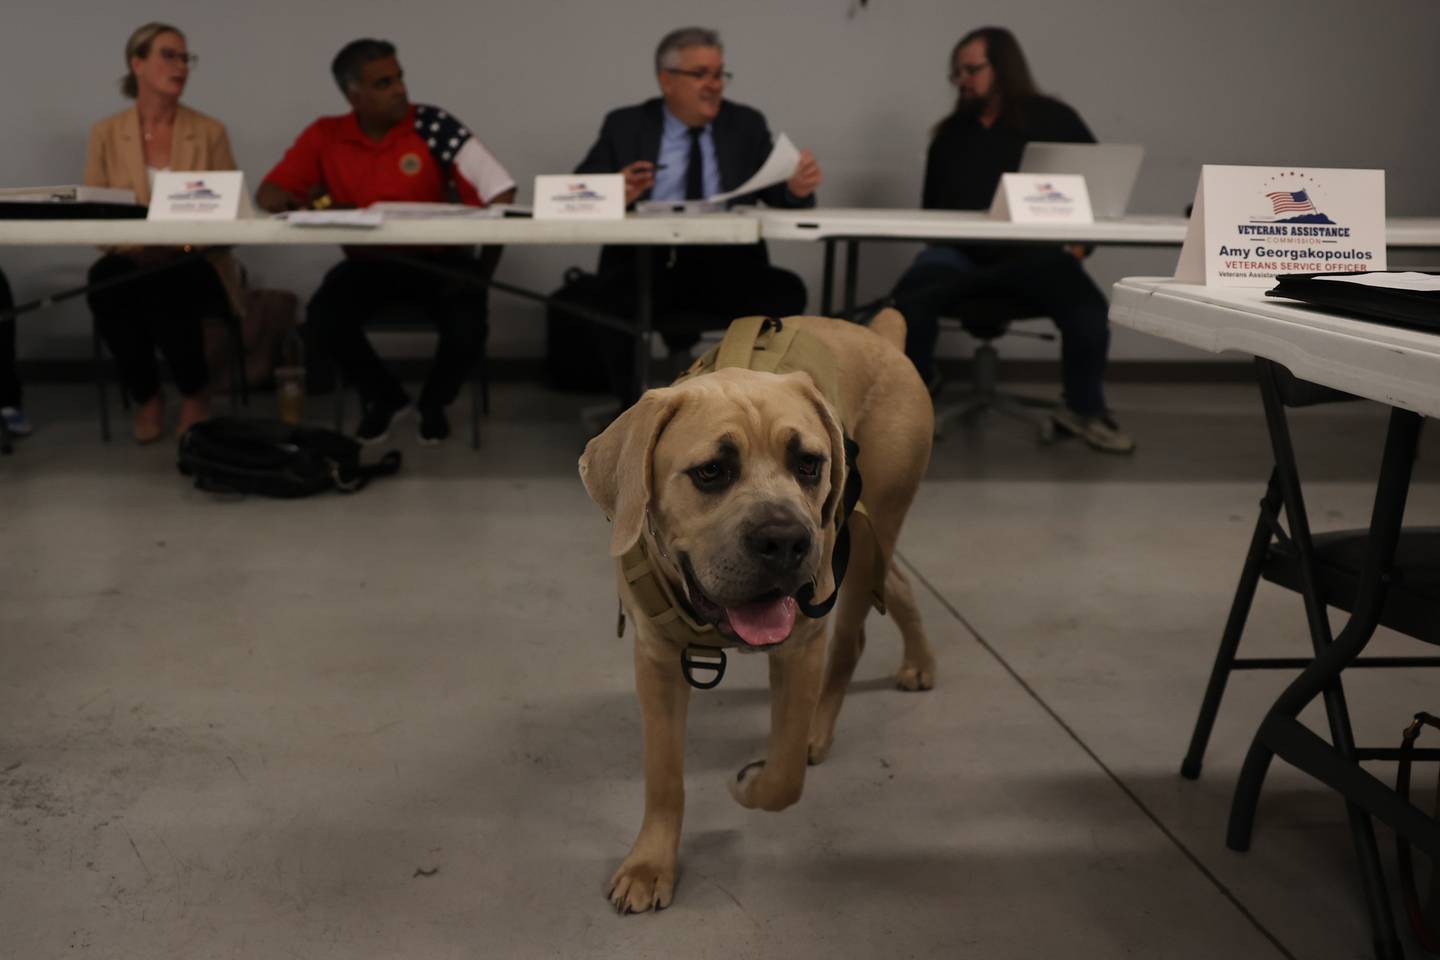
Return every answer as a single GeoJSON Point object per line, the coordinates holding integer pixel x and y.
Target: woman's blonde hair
{"type": "Point", "coordinates": [139, 46]}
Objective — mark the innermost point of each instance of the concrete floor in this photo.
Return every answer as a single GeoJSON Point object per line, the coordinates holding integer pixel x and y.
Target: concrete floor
{"type": "Point", "coordinates": [400, 724]}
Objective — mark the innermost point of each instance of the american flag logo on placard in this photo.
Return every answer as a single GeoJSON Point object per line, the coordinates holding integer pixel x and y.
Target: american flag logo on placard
{"type": "Point", "coordinates": [1288, 201]}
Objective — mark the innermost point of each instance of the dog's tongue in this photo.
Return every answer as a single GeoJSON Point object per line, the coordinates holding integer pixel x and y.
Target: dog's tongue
{"type": "Point", "coordinates": [765, 623]}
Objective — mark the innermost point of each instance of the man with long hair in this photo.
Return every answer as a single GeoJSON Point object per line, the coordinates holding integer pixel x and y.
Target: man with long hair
{"type": "Point", "coordinates": [997, 112]}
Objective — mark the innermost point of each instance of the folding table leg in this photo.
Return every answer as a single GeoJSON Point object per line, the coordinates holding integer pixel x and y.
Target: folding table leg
{"type": "Point", "coordinates": [827, 282]}
{"type": "Point", "coordinates": [852, 272]}
{"type": "Point", "coordinates": [100, 383]}
{"type": "Point", "coordinates": [1279, 734]}
{"type": "Point", "coordinates": [1288, 474]}
{"type": "Point", "coordinates": [239, 386]}
{"type": "Point", "coordinates": [644, 317]}
{"type": "Point", "coordinates": [1234, 627]}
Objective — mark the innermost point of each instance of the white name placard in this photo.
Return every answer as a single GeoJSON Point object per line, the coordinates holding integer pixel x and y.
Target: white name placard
{"type": "Point", "coordinates": [1042, 198]}
{"type": "Point", "coordinates": [199, 195]}
{"type": "Point", "coordinates": [1251, 223]}
{"type": "Point", "coordinates": [580, 197]}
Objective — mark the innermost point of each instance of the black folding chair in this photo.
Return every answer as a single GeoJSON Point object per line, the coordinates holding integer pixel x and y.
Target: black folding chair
{"type": "Point", "coordinates": [1381, 576]}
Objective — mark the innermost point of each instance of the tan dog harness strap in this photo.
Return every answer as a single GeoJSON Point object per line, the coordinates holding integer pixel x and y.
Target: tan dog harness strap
{"type": "Point", "coordinates": [656, 602]}
{"type": "Point", "coordinates": [766, 345]}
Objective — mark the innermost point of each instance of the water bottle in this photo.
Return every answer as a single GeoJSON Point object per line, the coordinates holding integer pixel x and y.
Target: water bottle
{"type": "Point", "coordinates": [290, 379]}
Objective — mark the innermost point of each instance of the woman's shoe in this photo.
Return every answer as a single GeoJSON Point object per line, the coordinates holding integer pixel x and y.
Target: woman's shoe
{"type": "Point", "coordinates": [192, 411]}
{"type": "Point", "coordinates": [150, 420]}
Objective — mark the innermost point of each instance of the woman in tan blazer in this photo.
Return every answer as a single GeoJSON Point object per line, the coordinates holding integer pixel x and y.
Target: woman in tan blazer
{"type": "Point", "coordinates": [165, 309]}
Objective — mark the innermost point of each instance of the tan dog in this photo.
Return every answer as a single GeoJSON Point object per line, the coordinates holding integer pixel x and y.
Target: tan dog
{"type": "Point", "coordinates": [733, 478]}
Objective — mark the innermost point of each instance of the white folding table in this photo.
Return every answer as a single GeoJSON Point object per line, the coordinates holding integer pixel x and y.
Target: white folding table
{"type": "Point", "coordinates": [855, 226]}
{"type": "Point", "coordinates": [1396, 366]}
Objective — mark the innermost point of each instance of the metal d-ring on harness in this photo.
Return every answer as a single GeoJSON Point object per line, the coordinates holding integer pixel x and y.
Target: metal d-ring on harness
{"type": "Point", "coordinates": [696, 657]}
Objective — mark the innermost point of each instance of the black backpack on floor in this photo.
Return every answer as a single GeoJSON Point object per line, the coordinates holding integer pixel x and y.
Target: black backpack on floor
{"type": "Point", "coordinates": [274, 459]}
{"type": "Point", "coordinates": [581, 356]}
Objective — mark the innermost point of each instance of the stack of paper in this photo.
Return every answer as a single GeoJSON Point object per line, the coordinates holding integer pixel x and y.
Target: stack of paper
{"type": "Point", "coordinates": [358, 219]}
{"type": "Point", "coordinates": [394, 210]}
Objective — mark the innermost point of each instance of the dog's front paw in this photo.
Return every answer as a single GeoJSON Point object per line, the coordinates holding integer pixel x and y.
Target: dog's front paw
{"type": "Point", "coordinates": [642, 884]}
{"type": "Point", "coordinates": [755, 788]}
{"type": "Point", "coordinates": [818, 748]}
{"type": "Point", "coordinates": [916, 675]}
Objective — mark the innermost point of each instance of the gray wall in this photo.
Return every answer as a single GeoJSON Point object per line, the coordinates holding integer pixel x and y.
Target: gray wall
{"type": "Point", "coordinates": [1328, 83]}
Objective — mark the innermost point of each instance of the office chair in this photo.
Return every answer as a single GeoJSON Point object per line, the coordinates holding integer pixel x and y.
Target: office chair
{"type": "Point", "coordinates": [987, 319]}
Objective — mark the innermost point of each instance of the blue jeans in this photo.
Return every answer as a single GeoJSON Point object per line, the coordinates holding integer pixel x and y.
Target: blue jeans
{"type": "Point", "coordinates": [1047, 281]}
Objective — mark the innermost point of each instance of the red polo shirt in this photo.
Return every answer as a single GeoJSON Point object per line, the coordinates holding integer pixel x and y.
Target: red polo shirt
{"type": "Point", "coordinates": [415, 162]}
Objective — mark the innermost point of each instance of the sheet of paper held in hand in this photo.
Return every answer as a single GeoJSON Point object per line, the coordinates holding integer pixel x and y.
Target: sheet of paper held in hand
{"type": "Point", "coordinates": [777, 168]}
{"type": "Point", "coordinates": [1410, 280]}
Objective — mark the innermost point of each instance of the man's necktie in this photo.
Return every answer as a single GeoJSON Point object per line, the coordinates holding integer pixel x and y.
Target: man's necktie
{"type": "Point", "coordinates": [695, 171]}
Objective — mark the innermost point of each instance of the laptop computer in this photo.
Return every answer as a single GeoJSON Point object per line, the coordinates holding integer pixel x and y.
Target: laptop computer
{"type": "Point", "coordinates": [1109, 170]}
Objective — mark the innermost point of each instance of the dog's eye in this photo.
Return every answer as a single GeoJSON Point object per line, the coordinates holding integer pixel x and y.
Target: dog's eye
{"type": "Point", "coordinates": [807, 467]}
{"type": "Point", "coordinates": [711, 475]}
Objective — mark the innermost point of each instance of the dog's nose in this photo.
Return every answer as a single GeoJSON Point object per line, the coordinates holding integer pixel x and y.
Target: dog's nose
{"type": "Point", "coordinates": [780, 545]}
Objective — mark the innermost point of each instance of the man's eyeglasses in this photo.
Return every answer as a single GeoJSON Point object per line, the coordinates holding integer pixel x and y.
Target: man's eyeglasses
{"type": "Point", "coordinates": [175, 56]}
{"type": "Point", "coordinates": [968, 70]}
{"type": "Point", "coordinates": [724, 76]}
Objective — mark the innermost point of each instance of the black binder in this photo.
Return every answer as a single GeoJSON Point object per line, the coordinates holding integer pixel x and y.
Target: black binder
{"type": "Point", "coordinates": [70, 210]}
{"type": "Point", "coordinates": [1417, 309]}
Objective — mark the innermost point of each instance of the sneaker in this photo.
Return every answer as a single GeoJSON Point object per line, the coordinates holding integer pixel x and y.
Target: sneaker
{"type": "Point", "coordinates": [16, 422]}
{"type": "Point", "coordinates": [1101, 432]}
{"type": "Point", "coordinates": [434, 426]}
{"type": "Point", "coordinates": [377, 420]}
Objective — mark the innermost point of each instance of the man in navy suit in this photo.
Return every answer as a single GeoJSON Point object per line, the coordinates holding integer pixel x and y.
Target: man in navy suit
{"type": "Point", "coordinates": [688, 144]}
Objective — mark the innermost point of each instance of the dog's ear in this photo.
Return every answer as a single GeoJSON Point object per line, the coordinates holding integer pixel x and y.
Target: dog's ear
{"type": "Point", "coordinates": [616, 466]}
{"type": "Point", "coordinates": [831, 419]}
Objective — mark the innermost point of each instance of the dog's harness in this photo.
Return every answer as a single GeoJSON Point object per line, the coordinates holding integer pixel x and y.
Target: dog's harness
{"type": "Point", "coordinates": [766, 345]}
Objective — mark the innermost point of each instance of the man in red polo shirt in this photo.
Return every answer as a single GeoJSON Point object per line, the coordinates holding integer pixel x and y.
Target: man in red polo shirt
{"type": "Point", "coordinates": [389, 149]}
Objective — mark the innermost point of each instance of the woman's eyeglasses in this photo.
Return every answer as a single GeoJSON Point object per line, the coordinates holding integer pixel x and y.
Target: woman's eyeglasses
{"type": "Point", "coordinates": [175, 56]}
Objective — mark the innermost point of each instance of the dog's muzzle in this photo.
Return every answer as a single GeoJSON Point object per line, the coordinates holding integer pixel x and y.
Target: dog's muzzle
{"type": "Point", "coordinates": [764, 621]}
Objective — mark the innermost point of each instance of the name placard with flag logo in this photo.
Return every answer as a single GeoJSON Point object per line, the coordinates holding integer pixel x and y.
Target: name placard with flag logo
{"type": "Point", "coordinates": [199, 195]}
{"type": "Point", "coordinates": [595, 196]}
{"type": "Point", "coordinates": [1042, 198]}
{"type": "Point", "coordinates": [1250, 224]}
